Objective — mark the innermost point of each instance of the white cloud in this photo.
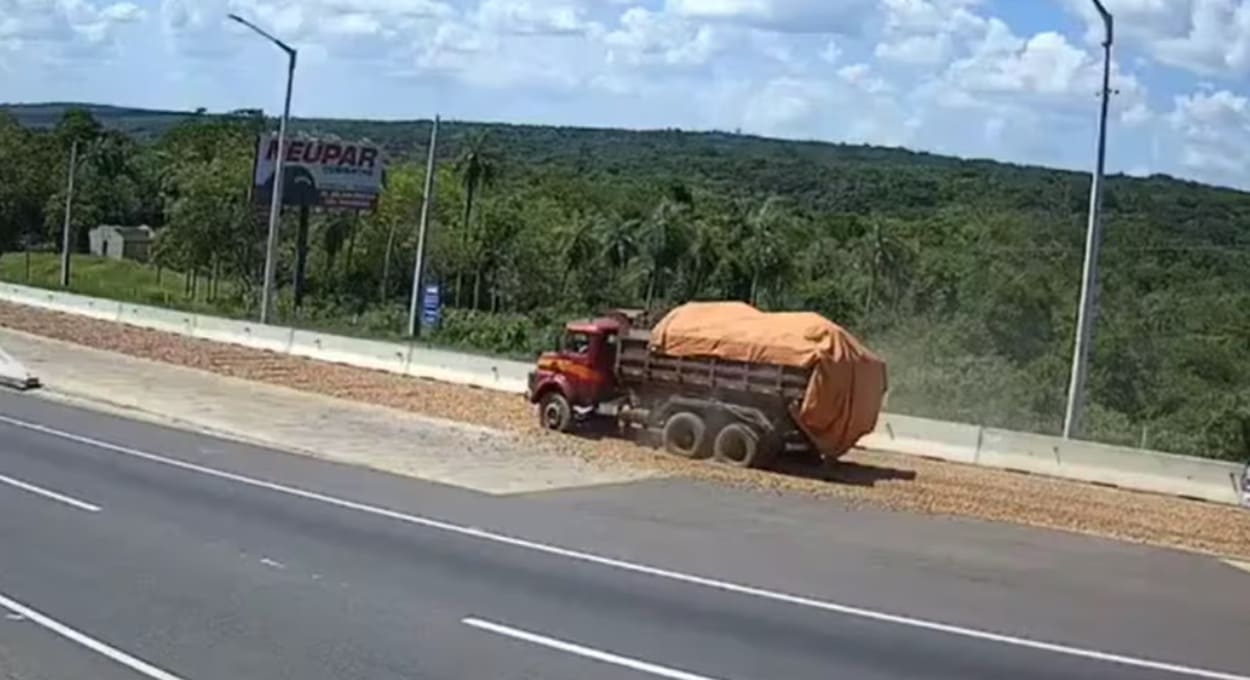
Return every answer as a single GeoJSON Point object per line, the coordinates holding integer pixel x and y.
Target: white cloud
{"type": "Point", "coordinates": [1137, 115]}
{"type": "Point", "coordinates": [831, 53]}
{"type": "Point", "coordinates": [1045, 70]}
{"type": "Point", "coordinates": [646, 37]}
{"type": "Point", "coordinates": [861, 77]}
{"type": "Point", "coordinates": [792, 16]}
{"type": "Point", "coordinates": [932, 16]}
{"type": "Point", "coordinates": [918, 50]}
{"type": "Point", "coordinates": [532, 17]}
{"type": "Point", "coordinates": [122, 12]}
{"type": "Point", "coordinates": [343, 28]}
{"type": "Point", "coordinates": [1202, 36]}
{"type": "Point", "coordinates": [63, 21]}
{"type": "Point", "coordinates": [782, 107]}
{"type": "Point", "coordinates": [1214, 128]}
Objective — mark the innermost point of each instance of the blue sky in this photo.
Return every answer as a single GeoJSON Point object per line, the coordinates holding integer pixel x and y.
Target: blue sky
{"type": "Point", "coordinates": [1014, 80]}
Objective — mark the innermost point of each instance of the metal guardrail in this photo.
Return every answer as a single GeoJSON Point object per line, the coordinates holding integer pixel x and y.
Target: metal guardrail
{"type": "Point", "coordinates": [1154, 471]}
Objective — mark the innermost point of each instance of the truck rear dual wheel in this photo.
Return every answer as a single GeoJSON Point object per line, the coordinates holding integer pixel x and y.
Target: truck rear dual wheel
{"type": "Point", "coordinates": [742, 446]}
{"type": "Point", "coordinates": [685, 435]}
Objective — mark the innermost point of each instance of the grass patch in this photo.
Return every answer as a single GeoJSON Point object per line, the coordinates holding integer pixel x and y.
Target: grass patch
{"type": "Point", "coordinates": [506, 336]}
{"type": "Point", "coordinates": [122, 280]}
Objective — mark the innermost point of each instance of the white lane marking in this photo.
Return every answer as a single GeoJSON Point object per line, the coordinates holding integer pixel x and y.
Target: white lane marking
{"type": "Point", "coordinates": [634, 567]}
{"type": "Point", "coordinates": [582, 651]}
{"type": "Point", "coordinates": [137, 665]}
{"type": "Point", "coordinates": [50, 495]}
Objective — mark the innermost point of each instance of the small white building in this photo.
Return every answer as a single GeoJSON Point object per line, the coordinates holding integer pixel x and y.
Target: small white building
{"type": "Point", "coordinates": [122, 243]}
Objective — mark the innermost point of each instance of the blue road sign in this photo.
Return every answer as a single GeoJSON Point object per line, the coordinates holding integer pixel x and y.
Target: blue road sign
{"type": "Point", "coordinates": [431, 305]}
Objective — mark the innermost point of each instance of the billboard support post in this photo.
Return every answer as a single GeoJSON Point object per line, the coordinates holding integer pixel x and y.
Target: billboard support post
{"type": "Point", "coordinates": [301, 256]}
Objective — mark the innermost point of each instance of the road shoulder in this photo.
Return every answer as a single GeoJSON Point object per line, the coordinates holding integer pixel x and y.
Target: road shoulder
{"type": "Point", "coordinates": [460, 454]}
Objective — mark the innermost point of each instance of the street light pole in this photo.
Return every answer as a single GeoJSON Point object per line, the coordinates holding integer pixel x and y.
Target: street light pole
{"type": "Point", "coordinates": [1093, 244]}
{"type": "Point", "coordinates": [414, 308]}
{"type": "Point", "coordinates": [275, 201]}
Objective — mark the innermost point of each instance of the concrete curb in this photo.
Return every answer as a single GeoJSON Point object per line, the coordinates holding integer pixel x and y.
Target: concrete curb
{"type": "Point", "coordinates": [1153, 471]}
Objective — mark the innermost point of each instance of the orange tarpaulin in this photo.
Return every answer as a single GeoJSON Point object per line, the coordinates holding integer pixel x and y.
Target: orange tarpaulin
{"type": "Point", "coordinates": [847, 387]}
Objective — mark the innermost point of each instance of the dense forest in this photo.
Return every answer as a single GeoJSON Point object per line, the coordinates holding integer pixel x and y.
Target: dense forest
{"type": "Point", "coordinates": [964, 274]}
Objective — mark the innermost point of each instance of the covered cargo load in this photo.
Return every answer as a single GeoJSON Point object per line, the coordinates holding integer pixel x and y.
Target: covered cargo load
{"type": "Point", "coordinates": [848, 382]}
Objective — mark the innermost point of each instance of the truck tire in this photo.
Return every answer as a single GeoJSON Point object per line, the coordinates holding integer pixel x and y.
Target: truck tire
{"type": "Point", "coordinates": [554, 412]}
{"type": "Point", "coordinates": [742, 446]}
{"type": "Point", "coordinates": [685, 435]}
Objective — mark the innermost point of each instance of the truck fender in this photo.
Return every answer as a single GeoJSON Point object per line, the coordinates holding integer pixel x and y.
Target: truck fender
{"type": "Point", "coordinates": [551, 383]}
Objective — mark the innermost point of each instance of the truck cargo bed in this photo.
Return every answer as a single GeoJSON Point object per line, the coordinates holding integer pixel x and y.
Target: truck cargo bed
{"type": "Point", "coordinates": [638, 365]}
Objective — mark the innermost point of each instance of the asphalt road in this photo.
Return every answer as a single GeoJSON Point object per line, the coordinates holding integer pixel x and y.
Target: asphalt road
{"type": "Point", "coordinates": [129, 550]}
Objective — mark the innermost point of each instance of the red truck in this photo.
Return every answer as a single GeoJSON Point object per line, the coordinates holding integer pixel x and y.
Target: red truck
{"type": "Point", "coordinates": [715, 380]}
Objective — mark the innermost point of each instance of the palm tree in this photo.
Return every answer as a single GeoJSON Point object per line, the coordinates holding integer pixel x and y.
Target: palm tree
{"type": "Point", "coordinates": [577, 246]}
{"type": "Point", "coordinates": [765, 246]}
{"type": "Point", "coordinates": [703, 256]}
{"type": "Point", "coordinates": [664, 243]}
{"type": "Point", "coordinates": [619, 242]}
{"type": "Point", "coordinates": [759, 250]}
{"type": "Point", "coordinates": [477, 169]}
{"type": "Point", "coordinates": [887, 256]}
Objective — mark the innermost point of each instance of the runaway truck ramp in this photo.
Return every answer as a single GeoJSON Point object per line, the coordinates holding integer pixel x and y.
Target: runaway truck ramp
{"type": "Point", "coordinates": [14, 375]}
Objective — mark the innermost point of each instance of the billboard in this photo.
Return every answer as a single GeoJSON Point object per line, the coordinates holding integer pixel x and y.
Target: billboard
{"type": "Point", "coordinates": [324, 173]}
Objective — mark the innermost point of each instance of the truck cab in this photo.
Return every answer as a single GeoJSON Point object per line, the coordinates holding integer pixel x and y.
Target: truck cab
{"type": "Point", "coordinates": [579, 375]}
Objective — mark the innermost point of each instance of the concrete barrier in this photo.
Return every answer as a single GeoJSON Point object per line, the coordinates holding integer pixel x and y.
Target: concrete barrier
{"type": "Point", "coordinates": [254, 335]}
{"type": "Point", "coordinates": [157, 318]}
{"type": "Point", "coordinates": [468, 369]}
{"type": "Point", "coordinates": [20, 294]}
{"type": "Point", "coordinates": [1165, 473]}
{"type": "Point", "coordinates": [382, 356]}
{"type": "Point", "coordinates": [57, 301]}
{"type": "Point", "coordinates": [956, 442]}
{"type": "Point", "coordinates": [1022, 451]}
{"type": "Point", "coordinates": [1154, 471]}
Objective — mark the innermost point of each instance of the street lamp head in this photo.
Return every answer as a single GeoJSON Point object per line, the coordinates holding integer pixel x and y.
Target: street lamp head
{"type": "Point", "coordinates": [263, 33]}
{"type": "Point", "coordinates": [1107, 20]}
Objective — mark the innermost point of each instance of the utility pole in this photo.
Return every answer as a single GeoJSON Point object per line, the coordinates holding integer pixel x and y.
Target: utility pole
{"type": "Point", "coordinates": [414, 309]}
{"type": "Point", "coordinates": [275, 202]}
{"type": "Point", "coordinates": [1088, 312]}
{"type": "Point", "coordinates": [66, 230]}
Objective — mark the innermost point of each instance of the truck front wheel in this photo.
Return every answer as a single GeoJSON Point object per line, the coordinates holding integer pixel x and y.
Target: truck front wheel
{"type": "Point", "coordinates": [555, 413]}
{"type": "Point", "coordinates": [741, 446]}
{"type": "Point", "coordinates": [685, 435]}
